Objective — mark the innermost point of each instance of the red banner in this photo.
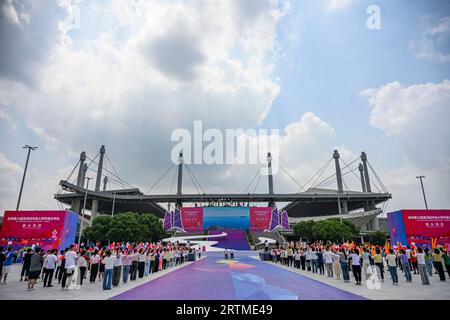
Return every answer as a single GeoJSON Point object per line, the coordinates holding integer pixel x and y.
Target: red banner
{"type": "Point", "coordinates": [421, 225]}
{"type": "Point", "coordinates": [192, 218]}
{"type": "Point", "coordinates": [48, 229]}
{"type": "Point", "coordinates": [260, 218]}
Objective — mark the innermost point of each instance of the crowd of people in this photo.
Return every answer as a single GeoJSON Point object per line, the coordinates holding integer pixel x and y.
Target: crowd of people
{"type": "Point", "coordinates": [341, 260]}
{"type": "Point", "coordinates": [110, 265]}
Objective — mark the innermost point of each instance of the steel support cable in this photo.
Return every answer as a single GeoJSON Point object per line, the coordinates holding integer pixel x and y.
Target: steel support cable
{"type": "Point", "coordinates": [326, 183]}
{"type": "Point", "coordinates": [257, 173]}
{"type": "Point", "coordinates": [314, 184]}
{"type": "Point", "coordinates": [126, 184]}
{"type": "Point", "coordinates": [92, 160]}
{"type": "Point", "coordinates": [326, 180]}
{"type": "Point", "coordinates": [160, 178]}
{"type": "Point", "coordinates": [117, 175]}
{"type": "Point", "coordinates": [349, 163]}
{"type": "Point", "coordinates": [373, 182]}
{"type": "Point", "coordinates": [73, 170]}
{"type": "Point", "coordinates": [116, 182]}
{"type": "Point", "coordinates": [192, 179]}
{"type": "Point", "coordinates": [195, 178]}
{"type": "Point", "coordinates": [334, 174]}
{"type": "Point", "coordinates": [345, 185]}
{"type": "Point", "coordinates": [259, 178]}
{"type": "Point", "coordinates": [114, 175]}
{"type": "Point", "coordinates": [298, 183]}
{"type": "Point", "coordinates": [173, 180]}
{"type": "Point", "coordinates": [378, 178]}
{"type": "Point", "coordinates": [317, 172]}
{"type": "Point", "coordinates": [359, 179]}
{"type": "Point", "coordinates": [257, 182]}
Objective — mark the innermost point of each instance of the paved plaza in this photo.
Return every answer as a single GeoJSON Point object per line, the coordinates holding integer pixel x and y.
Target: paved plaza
{"type": "Point", "coordinates": [244, 278]}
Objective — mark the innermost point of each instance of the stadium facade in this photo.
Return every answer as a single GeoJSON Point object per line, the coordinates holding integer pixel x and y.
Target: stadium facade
{"type": "Point", "coordinates": [358, 206]}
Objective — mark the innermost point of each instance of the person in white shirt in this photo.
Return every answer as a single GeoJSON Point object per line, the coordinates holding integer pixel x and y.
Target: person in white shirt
{"type": "Point", "coordinates": [141, 263]}
{"type": "Point", "coordinates": [328, 259]}
{"type": "Point", "coordinates": [365, 262]}
{"type": "Point", "coordinates": [58, 263]}
{"type": "Point", "coordinates": [314, 261]}
{"type": "Point", "coordinates": [297, 259]}
{"type": "Point", "coordinates": [422, 265]}
{"type": "Point", "coordinates": [50, 264]}
{"type": "Point", "coordinates": [82, 266]}
{"type": "Point", "coordinates": [147, 264]}
{"type": "Point", "coordinates": [117, 268]}
{"type": "Point", "coordinates": [71, 258]}
{"type": "Point", "coordinates": [308, 259]}
{"type": "Point", "coordinates": [108, 261]}
{"type": "Point", "coordinates": [391, 260]}
{"type": "Point", "coordinates": [356, 266]}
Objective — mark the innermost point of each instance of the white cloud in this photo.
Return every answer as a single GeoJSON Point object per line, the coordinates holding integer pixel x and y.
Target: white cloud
{"type": "Point", "coordinates": [416, 117]}
{"type": "Point", "coordinates": [95, 85]}
{"type": "Point", "coordinates": [38, 187]}
{"type": "Point", "coordinates": [433, 43]}
{"type": "Point", "coordinates": [28, 33]}
{"type": "Point", "coordinates": [337, 4]}
{"type": "Point", "coordinates": [10, 175]}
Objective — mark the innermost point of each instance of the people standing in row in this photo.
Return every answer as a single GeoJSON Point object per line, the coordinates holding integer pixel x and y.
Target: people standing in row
{"type": "Point", "coordinates": [391, 260]}
{"type": "Point", "coordinates": [26, 264]}
{"type": "Point", "coordinates": [82, 266]}
{"type": "Point", "coordinates": [108, 262]}
{"type": "Point", "coordinates": [50, 265]}
{"type": "Point", "coordinates": [34, 271]}
{"type": "Point", "coordinates": [437, 262]}
{"type": "Point", "coordinates": [422, 266]}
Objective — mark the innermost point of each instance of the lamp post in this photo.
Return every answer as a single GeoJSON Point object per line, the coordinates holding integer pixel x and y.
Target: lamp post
{"type": "Point", "coordinates": [84, 209]}
{"type": "Point", "coordinates": [24, 173]}
{"type": "Point", "coordinates": [339, 207]}
{"type": "Point", "coordinates": [114, 202]}
{"type": "Point", "coordinates": [423, 190]}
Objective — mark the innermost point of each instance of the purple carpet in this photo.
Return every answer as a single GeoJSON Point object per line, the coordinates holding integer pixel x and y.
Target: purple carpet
{"type": "Point", "coordinates": [235, 239]}
{"type": "Point", "coordinates": [247, 279]}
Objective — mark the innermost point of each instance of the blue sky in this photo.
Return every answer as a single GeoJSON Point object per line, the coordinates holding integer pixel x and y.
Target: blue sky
{"type": "Point", "coordinates": [133, 71]}
{"type": "Point", "coordinates": [334, 57]}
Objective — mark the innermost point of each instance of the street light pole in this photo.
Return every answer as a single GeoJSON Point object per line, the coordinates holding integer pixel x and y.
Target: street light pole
{"type": "Point", "coordinates": [423, 190]}
{"type": "Point", "coordinates": [114, 202]}
{"type": "Point", "coordinates": [24, 173]}
{"type": "Point", "coordinates": [84, 209]}
{"type": "Point", "coordinates": [339, 207]}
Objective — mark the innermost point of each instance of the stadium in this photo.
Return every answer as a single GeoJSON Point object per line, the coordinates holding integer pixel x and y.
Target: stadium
{"type": "Point", "coordinates": [269, 215]}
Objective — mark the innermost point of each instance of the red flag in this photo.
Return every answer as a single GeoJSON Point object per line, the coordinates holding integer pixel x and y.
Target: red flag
{"type": "Point", "coordinates": [98, 244]}
{"type": "Point", "coordinates": [433, 243]}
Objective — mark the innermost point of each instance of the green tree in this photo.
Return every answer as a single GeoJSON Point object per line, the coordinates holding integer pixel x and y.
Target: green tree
{"type": "Point", "coordinates": [378, 238]}
{"type": "Point", "coordinates": [99, 228]}
{"type": "Point", "coordinates": [304, 229]}
{"type": "Point", "coordinates": [126, 227]}
{"type": "Point", "coordinates": [329, 230]}
{"type": "Point", "coordinates": [154, 230]}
